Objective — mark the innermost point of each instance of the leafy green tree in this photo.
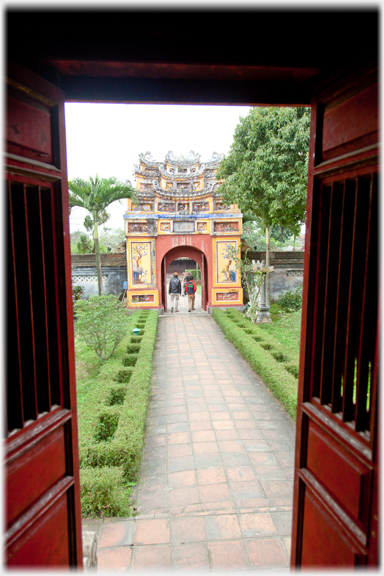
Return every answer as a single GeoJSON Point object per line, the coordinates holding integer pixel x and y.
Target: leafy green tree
{"type": "Point", "coordinates": [111, 237]}
{"type": "Point", "coordinates": [265, 172]}
{"type": "Point", "coordinates": [102, 323]}
{"type": "Point", "coordinates": [75, 236]}
{"type": "Point", "coordinates": [84, 245]}
{"type": "Point", "coordinates": [95, 195]}
{"type": "Point", "coordinates": [254, 236]}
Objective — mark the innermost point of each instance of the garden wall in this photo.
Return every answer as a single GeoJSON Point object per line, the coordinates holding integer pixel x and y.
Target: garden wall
{"type": "Point", "coordinates": [113, 269]}
{"type": "Point", "coordinates": [288, 270]}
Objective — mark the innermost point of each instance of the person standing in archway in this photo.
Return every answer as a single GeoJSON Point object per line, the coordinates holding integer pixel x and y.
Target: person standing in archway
{"type": "Point", "coordinates": [191, 289]}
{"type": "Point", "coordinates": [175, 291]}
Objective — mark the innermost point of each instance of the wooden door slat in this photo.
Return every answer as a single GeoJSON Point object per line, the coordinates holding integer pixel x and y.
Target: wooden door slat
{"type": "Point", "coordinates": [14, 393]}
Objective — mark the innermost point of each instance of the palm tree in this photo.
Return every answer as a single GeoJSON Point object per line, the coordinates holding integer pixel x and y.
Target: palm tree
{"type": "Point", "coordinates": [95, 195]}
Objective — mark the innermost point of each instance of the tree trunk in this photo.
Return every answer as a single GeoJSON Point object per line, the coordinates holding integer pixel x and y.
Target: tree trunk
{"type": "Point", "coordinates": [97, 252]}
{"type": "Point", "coordinates": [267, 298]}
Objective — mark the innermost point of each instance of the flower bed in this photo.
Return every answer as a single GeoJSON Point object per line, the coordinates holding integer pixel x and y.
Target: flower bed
{"type": "Point", "coordinates": [271, 360]}
{"type": "Point", "coordinates": [112, 422]}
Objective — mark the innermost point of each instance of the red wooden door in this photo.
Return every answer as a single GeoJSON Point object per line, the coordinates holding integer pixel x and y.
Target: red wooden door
{"type": "Point", "coordinates": [43, 517]}
{"type": "Point", "coordinates": [335, 521]}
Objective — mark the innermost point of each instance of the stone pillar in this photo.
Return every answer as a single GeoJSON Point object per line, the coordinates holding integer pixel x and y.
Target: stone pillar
{"type": "Point", "coordinates": [263, 315]}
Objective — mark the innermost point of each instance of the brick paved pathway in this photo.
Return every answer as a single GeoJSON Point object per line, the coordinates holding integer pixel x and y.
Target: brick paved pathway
{"type": "Point", "coordinates": [217, 470]}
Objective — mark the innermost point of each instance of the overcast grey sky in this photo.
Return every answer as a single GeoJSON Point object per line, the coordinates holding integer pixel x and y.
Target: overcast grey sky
{"type": "Point", "coordinates": [108, 138]}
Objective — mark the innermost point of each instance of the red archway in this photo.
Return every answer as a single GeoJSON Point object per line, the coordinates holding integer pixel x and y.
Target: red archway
{"type": "Point", "coordinates": [192, 252]}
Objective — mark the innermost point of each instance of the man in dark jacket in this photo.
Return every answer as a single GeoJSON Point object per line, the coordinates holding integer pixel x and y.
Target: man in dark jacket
{"type": "Point", "coordinates": [191, 289]}
{"type": "Point", "coordinates": [175, 291]}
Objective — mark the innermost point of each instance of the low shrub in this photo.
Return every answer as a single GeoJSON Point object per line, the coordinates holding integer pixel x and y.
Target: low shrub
{"type": "Point", "coordinates": [279, 356]}
{"type": "Point", "coordinates": [291, 300]}
{"type": "Point", "coordinates": [281, 382]}
{"type": "Point", "coordinates": [266, 345]}
{"type": "Point", "coordinates": [103, 492]}
{"type": "Point", "coordinates": [292, 368]}
{"type": "Point", "coordinates": [106, 426]}
{"type": "Point", "coordinates": [136, 339]}
{"type": "Point", "coordinates": [123, 376]}
{"type": "Point", "coordinates": [132, 348]}
{"type": "Point", "coordinates": [102, 323]}
{"type": "Point", "coordinates": [116, 396]}
{"type": "Point", "coordinates": [130, 360]}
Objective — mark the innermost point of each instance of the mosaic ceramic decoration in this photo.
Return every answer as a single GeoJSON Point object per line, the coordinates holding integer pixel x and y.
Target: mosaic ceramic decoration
{"type": "Point", "coordinates": [143, 298]}
{"type": "Point", "coordinates": [226, 226]}
{"type": "Point", "coordinates": [140, 227]}
{"type": "Point", "coordinates": [200, 206]}
{"type": "Point", "coordinates": [225, 296]}
{"type": "Point", "coordinates": [166, 207]}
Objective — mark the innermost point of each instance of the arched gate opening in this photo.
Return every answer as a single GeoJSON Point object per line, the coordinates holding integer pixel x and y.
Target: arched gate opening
{"type": "Point", "coordinates": [192, 253]}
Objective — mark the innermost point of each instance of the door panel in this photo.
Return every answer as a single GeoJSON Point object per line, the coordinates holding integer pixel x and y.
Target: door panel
{"type": "Point", "coordinates": [43, 516]}
{"type": "Point", "coordinates": [336, 467]}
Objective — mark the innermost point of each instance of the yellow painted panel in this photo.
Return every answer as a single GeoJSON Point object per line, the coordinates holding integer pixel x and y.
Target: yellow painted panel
{"type": "Point", "coordinates": [226, 272]}
{"type": "Point", "coordinates": [140, 263]}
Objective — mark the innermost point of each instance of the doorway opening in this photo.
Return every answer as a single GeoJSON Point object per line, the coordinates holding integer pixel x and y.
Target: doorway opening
{"type": "Point", "coordinates": [181, 259]}
{"type": "Point", "coordinates": [184, 267]}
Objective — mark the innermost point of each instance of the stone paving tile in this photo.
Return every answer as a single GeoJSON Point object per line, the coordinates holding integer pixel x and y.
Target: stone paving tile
{"type": "Point", "coordinates": [151, 558]}
{"type": "Point", "coordinates": [224, 527]}
{"type": "Point", "coordinates": [116, 534]}
{"type": "Point", "coordinates": [190, 557]}
{"type": "Point", "coordinates": [216, 484]}
{"type": "Point", "coordinates": [266, 554]}
{"type": "Point", "coordinates": [117, 559]}
{"type": "Point", "coordinates": [154, 531]}
{"type": "Point", "coordinates": [228, 555]}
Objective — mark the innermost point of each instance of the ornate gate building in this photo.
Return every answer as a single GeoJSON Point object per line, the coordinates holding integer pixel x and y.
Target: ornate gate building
{"type": "Point", "coordinates": [180, 214]}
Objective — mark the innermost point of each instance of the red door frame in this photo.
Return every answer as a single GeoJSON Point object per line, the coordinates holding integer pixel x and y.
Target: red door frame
{"type": "Point", "coordinates": [43, 514]}
{"type": "Point", "coordinates": [335, 514]}
{"type": "Point", "coordinates": [193, 92]}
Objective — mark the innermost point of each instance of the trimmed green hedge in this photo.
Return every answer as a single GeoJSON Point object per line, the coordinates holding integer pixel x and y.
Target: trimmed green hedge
{"type": "Point", "coordinates": [103, 490]}
{"type": "Point", "coordinates": [112, 420]}
{"type": "Point", "coordinates": [272, 361]}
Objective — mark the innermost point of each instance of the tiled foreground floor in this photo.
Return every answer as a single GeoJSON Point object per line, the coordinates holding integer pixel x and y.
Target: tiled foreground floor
{"type": "Point", "coordinates": [217, 469]}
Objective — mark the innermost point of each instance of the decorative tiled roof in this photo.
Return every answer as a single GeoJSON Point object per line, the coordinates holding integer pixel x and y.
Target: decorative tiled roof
{"type": "Point", "coordinates": [185, 176]}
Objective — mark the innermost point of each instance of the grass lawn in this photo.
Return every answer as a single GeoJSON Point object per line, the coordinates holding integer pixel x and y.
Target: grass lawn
{"type": "Point", "coordinates": [285, 328]}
